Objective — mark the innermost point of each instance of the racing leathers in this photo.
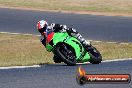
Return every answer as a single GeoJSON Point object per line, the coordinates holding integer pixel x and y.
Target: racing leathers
{"type": "Point", "coordinates": [70, 31]}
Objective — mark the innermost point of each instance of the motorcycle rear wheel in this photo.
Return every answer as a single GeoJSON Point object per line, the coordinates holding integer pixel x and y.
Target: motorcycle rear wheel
{"type": "Point", "coordinates": [67, 54]}
{"type": "Point", "coordinates": [57, 59]}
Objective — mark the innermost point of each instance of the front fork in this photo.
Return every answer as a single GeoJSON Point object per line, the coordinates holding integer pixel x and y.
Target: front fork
{"type": "Point", "coordinates": [82, 56]}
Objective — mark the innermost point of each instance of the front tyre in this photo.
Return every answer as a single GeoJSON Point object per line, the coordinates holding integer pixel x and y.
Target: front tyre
{"type": "Point", "coordinates": [95, 55]}
{"type": "Point", "coordinates": [67, 54]}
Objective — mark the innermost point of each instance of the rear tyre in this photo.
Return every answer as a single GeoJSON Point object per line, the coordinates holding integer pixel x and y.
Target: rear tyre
{"type": "Point", "coordinates": [67, 54]}
{"type": "Point", "coordinates": [57, 59]}
{"type": "Point", "coordinates": [95, 55]}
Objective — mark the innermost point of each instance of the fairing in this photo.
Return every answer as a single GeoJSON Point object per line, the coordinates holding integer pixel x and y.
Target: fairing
{"type": "Point", "coordinates": [65, 38]}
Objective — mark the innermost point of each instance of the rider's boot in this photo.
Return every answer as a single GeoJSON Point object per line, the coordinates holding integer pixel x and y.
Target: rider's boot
{"type": "Point", "coordinates": [86, 44]}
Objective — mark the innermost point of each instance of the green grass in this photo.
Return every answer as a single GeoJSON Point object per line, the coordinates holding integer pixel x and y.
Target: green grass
{"type": "Point", "coordinates": [114, 51]}
{"type": "Point", "coordinates": [22, 50]}
{"type": "Point", "coordinates": [116, 6]}
{"type": "Point", "coordinates": [27, 50]}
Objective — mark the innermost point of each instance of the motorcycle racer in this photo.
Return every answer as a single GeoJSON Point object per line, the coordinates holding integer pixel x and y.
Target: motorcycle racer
{"type": "Point", "coordinates": [43, 26]}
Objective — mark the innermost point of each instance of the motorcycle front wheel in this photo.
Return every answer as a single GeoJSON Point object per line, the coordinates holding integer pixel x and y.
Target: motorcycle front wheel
{"type": "Point", "coordinates": [95, 55]}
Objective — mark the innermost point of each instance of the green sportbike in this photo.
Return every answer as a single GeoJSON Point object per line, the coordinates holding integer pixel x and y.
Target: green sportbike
{"type": "Point", "coordinates": [69, 50]}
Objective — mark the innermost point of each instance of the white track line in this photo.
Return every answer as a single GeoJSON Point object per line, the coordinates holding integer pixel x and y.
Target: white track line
{"type": "Point", "coordinates": [116, 60]}
{"type": "Point", "coordinates": [36, 66]}
{"type": "Point", "coordinates": [88, 40]}
{"type": "Point", "coordinates": [15, 33]}
{"type": "Point", "coordinates": [107, 61]}
{"type": "Point", "coordinates": [39, 65]}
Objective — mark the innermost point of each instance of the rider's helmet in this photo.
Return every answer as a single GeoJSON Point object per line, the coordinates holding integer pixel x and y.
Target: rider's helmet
{"type": "Point", "coordinates": [42, 26]}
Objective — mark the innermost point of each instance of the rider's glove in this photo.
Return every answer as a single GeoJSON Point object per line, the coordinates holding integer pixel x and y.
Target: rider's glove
{"type": "Point", "coordinates": [63, 28]}
{"type": "Point", "coordinates": [52, 25]}
{"type": "Point", "coordinates": [56, 27]}
{"type": "Point", "coordinates": [72, 31]}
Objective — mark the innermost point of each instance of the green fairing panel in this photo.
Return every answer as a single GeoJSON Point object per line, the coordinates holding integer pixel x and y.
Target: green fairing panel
{"type": "Point", "coordinates": [49, 48]}
{"type": "Point", "coordinates": [74, 45]}
{"type": "Point", "coordinates": [73, 42]}
{"type": "Point", "coordinates": [86, 58]}
{"type": "Point", "coordinates": [59, 37]}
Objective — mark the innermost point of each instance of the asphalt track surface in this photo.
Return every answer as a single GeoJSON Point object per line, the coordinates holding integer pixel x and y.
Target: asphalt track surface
{"type": "Point", "coordinates": [104, 28]}
{"type": "Point", "coordinates": [92, 27]}
{"type": "Point", "coordinates": [62, 76]}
